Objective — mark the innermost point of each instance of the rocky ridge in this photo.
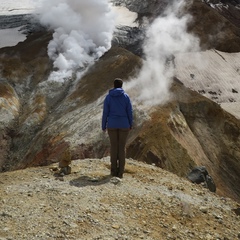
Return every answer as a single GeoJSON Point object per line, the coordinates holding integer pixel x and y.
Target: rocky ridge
{"type": "Point", "coordinates": [148, 203]}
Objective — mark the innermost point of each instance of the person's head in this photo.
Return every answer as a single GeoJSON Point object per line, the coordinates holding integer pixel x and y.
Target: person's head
{"type": "Point", "coordinates": [118, 83]}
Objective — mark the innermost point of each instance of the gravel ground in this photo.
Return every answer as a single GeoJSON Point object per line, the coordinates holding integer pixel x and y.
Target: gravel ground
{"type": "Point", "coordinates": [148, 203]}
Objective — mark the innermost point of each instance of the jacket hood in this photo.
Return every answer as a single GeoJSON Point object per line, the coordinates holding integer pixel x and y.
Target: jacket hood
{"type": "Point", "coordinates": [115, 92]}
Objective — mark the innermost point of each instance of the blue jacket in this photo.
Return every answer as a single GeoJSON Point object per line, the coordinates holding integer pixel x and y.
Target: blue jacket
{"type": "Point", "coordinates": [117, 110]}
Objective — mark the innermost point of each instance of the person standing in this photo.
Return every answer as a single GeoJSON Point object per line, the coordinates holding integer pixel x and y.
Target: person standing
{"type": "Point", "coordinates": [117, 119]}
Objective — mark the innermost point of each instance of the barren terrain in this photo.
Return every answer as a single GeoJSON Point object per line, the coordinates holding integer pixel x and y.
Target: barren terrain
{"type": "Point", "coordinates": [148, 203]}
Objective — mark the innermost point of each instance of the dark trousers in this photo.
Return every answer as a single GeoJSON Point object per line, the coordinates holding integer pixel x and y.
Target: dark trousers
{"type": "Point", "coordinates": [118, 139]}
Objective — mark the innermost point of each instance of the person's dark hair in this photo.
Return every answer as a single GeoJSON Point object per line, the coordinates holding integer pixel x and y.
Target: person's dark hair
{"type": "Point", "coordinates": [118, 83]}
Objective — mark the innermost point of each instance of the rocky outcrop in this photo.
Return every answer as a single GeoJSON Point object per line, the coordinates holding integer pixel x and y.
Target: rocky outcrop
{"type": "Point", "coordinates": [229, 9]}
{"type": "Point", "coordinates": [213, 28]}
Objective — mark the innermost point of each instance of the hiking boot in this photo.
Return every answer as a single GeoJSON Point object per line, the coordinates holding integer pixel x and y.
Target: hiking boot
{"type": "Point", "coordinates": [65, 170]}
{"type": "Point", "coordinates": [120, 175]}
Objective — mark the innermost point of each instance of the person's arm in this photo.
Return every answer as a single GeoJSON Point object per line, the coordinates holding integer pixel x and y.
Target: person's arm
{"type": "Point", "coordinates": [130, 114]}
{"type": "Point", "coordinates": [105, 114]}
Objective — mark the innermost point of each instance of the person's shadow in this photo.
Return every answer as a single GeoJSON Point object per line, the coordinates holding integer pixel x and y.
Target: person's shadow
{"type": "Point", "coordinates": [84, 181]}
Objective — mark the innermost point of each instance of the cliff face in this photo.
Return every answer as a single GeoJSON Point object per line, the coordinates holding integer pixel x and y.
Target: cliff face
{"type": "Point", "coordinates": [44, 121]}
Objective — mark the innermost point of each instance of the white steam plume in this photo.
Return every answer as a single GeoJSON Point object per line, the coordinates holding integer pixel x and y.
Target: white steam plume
{"type": "Point", "coordinates": [83, 31]}
{"type": "Point", "coordinates": [166, 37]}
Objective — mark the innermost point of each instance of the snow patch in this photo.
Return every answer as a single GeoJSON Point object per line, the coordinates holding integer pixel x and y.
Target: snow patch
{"type": "Point", "coordinates": [125, 17]}
{"type": "Point", "coordinates": [11, 37]}
{"type": "Point", "coordinates": [213, 72]}
{"type": "Point", "coordinates": [11, 7]}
